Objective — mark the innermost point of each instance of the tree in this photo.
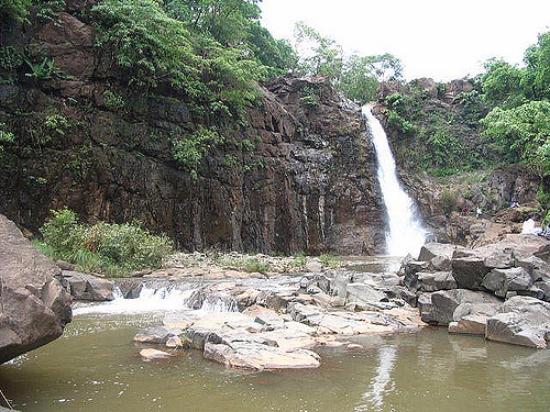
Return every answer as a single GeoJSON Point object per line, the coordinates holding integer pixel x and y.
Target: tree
{"type": "Point", "coordinates": [537, 72]}
{"type": "Point", "coordinates": [358, 82]}
{"type": "Point", "coordinates": [522, 133]}
{"type": "Point", "coordinates": [14, 9]}
{"type": "Point", "coordinates": [320, 55]}
{"type": "Point", "coordinates": [503, 84]}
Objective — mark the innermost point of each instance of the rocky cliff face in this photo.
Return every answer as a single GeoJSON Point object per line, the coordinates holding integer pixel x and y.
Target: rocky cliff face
{"type": "Point", "coordinates": [307, 183]}
{"type": "Point", "coordinates": [34, 307]}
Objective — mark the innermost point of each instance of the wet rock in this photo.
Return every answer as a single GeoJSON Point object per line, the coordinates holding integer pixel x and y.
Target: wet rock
{"type": "Point", "coordinates": [85, 287]}
{"type": "Point", "coordinates": [154, 354]}
{"type": "Point", "coordinates": [158, 335]}
{"type": "Point", "coordinates": [501, 281]}
{"type": "Point", "coordinates": [521, 321]}
{"type": "Point", "coordinates": [260, 357]}
{"type": "Point", "coordinates": [34, 306]}
{"type": "Point", "coordinates": [438, 308]}
{"type": "Point", "coordinates": [174, 342]}
{"type": "Point", "coordinates": [130, 288]}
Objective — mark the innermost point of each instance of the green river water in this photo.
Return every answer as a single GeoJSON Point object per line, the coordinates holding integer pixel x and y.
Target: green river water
{"type": "Point", "coordinates": [96, 367]}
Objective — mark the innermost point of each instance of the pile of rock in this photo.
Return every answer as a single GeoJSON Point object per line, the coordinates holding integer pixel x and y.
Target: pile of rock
{"type": "Point", "coordinates": [498, 291]}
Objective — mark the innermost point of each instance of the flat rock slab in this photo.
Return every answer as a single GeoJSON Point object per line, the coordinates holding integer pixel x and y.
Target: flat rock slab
{"type": "Point", "coordinates": [154, 354]}
{"type": "Point", "coordinates": [260, 357]}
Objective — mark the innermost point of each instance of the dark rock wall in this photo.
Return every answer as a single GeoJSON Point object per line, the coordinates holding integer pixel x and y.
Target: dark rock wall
{"type": "Point", "coordinates": [307, 185]}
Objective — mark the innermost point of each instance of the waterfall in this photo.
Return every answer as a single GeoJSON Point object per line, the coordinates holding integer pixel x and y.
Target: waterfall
{"type": "Point", "coordinates": [406, 234]}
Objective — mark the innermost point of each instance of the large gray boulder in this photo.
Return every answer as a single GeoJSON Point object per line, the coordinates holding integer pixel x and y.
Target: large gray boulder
{"type": "Point", "coordinates": [469, 271]}
{"type": "Point", "coordinates": [85, 287]}
{"type": "Point", "coordinates": [471, 318]}
{"type": "Point", "coordinates": [438, 308]}
{"type": "Point", "coordinates": [432, 250]}
{"type": "Point", "coordinates": [34, 306]}
{"type": "Point", "coordinates": [502, 281]}
{"type": "Point", "coordinates": [522, 321]}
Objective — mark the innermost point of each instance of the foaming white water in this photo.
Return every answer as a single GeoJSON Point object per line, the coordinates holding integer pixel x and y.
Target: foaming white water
{"type": "Point", "coordinates": [406, 234]}
{"type": "Point", "coordinates": [162, 299]}
{"type": "Point", "coordinates": [529, 227]}
{"type": "Point", "coordinates": [149, 300]}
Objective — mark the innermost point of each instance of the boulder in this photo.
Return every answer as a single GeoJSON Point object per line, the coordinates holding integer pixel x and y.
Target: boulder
{"type": "Point", "coordinates": [34, 306]}
{"type": "Point", "coordinates": [501, 281]}
{"type": "Point", "coordinates": [522, 321]}
{"type": "Point", "coordinates": [438, 308]}
{"type": "Point", "coordinates": [130, 288]}
{"type": "Point", "coordinates": [432, 250]}
{"type": "Point", "coordinates": [469, 271]}
{"type": "Point", "coordinates": [158, 335]}
{"type": "Point", "coordinates": [434, 281]}
{"type": "Point", "coordinates": [85, 287]}
{"type": "Point", "coordinates": [471, 318]}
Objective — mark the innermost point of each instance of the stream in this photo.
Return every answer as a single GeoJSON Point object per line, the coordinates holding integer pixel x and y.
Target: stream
{"type": "Point", "coordinates": [96, 367]}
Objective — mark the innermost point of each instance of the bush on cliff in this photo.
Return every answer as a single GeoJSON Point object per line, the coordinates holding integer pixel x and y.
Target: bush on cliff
{"type": "Point", "coordinates": [111, 249]}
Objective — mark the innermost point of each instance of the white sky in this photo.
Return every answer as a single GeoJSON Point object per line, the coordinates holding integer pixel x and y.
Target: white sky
{"type": "Point", "coordinates": [443, 39]}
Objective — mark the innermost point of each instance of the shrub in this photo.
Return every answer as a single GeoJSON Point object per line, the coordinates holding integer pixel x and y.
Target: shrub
{"type": "Point", "coordinates": [45, 70]}
{"type": "Point", "coordinates": [189, 151]}
{"type": "Point", "coordinates": [15, 9]}
{"type": "Point", "coordinates": [310, 98]}
{"type": "Point", "coordinates": [114, 101]}
{"type": "Point", "coordinates": [448, 201]}
{"type": "Point", "coordinates": [255, 265]}
{"type": "Point", "coordinates": [112, 249]}
{"type": "Point", "coordinates": [300, 260]}
{"type": "Point", "coordinates": [330, 260]}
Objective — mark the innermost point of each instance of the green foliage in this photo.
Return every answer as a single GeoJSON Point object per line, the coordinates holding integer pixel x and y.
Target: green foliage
{"type": "Point", "coordinates": [190, 150]}
{"type": "Point", "coordinates": [45, 70]}
{"type": "Point", "coordinates": [356, 76]}
{"type": "Point", "coordinates": [114, 101]}
{"type": "Point", "coordinates": [309, 98]}
{"type": "Point", "coordinates": [448, 201]}
{"type": "Point", "coordinates": [330, 260]}
{"type": "Point", "coordinates": [502, 84]}
{"type": "Point", "coordinates": [255, 265]}
{"type": "Point", "coordinates": [151, 47]}
{"type": "Point", "coordinates": [11, 58]}
{"type": "Point", "coordinates": [521, 133]}
{"type": "Point", "coordinates": [112, 249]}
{"type": "Point", "coordinates": [147, 44]}
{"type": "Point", "coordinates": [14, 9]}
{"type": "Point", "coordinates": [5, 137]}
{"type": "Point", "coordinates": [300, 260]}
{"type": "Point", "coordinates": [56, 125]}
{"type": "Point", "coordinates": [48, 10]}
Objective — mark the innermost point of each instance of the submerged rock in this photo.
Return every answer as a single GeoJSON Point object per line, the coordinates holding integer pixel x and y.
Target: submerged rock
{"type": "Point", "coordinates": [156, 335]}
{"type": "Point", "coordinates": [34, 306]}
{"type": "Point", "coordinates": [153, 354]}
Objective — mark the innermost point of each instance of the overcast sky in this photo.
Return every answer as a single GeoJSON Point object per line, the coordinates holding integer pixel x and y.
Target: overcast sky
{"type": "Point", "coordinates": [443, 39]}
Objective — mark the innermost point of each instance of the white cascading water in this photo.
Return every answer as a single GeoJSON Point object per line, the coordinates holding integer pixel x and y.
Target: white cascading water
{"type": "Point", "coordinates": [155, 300]}
{"type": "Point", "coordinates": [406, 234]}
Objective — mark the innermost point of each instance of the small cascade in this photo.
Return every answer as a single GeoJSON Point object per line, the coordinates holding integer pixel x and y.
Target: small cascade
{"type": "Point", "coordinates": [529, 228]}
{"type": "Point", "coordinates": [406, 234]}
{"type": "Point", "coordinates": [161, 297]}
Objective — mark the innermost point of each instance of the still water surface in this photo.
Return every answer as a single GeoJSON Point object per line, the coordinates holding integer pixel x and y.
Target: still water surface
{"type": "Point", "coordinates": [96, 367]}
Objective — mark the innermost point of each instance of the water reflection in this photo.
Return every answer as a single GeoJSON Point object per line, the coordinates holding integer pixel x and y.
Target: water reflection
{"type": "Point", "coordinates": [382, 383]}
